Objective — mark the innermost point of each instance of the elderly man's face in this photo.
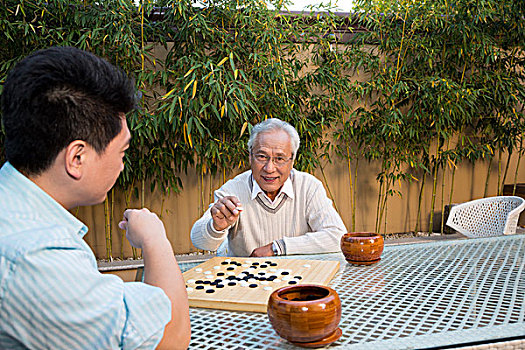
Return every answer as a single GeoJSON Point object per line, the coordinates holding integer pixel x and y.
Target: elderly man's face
{"type": "Point", "coordinates": [271, 161]}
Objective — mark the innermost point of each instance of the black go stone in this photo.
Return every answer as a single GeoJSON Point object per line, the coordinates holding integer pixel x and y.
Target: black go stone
{"type": "Point", "coordinates": [206, 282]}
{"type": "Point", "coordinates": [231, 283]}
{"type": "Point", "coordinates": [255, 263]}
{"type": "Point", "coordinates": [273, 264]}
{"type": "Point", "coordinates": [268, 262]}
{"type": "Point", "coordinates": [298, 277]}
{"type": "Point", "coordinates": [199, 287]}
{"type": "Point", "coordinates": [230, 268]}
{"type": "Point", "coordinates": [199, 282]}
{"type": "Point", "coordinates": [263, 266]}
{"type": "Point", "coordinates": [220, 273]}
{"type": "Point", "coordinates": [285, 273]}
{"type": "Point", "coordinates": [224, 263]}
{"type": "Point", "coordinates": [220, 285]}
{"type": "Point", "coordinates": [210, 290]}
{"type": "Point", "coordinates": [253, 285]}
{"type": "Point", "coordinates": [292, 282]}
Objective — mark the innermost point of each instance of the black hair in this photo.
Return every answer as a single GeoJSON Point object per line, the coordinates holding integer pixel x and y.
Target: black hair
{"type": "Point", "coordinates": [58, 95]}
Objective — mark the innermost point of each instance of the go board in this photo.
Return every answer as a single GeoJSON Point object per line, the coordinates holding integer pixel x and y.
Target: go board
{"type": "Point", "coordinates": [245, 284]}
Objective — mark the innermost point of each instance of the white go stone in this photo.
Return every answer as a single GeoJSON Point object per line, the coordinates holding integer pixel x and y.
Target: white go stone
{"type": "Point", "coordinates": [189, 289]}
{"type": "Point", "coordinates": [207, 272]}
{"type": "Point", "coordinates": [306, 265]}
{"type": "Point", "coordinates": [216, 267]}
{"type": "Point", "coordinates": [276, 280]}
{"type": "Point", "coordinates": [198, 269]}
{"type": "Point", "coordinates": [191, 281]}
{"type": "Point", "coordinates": [267, 288]}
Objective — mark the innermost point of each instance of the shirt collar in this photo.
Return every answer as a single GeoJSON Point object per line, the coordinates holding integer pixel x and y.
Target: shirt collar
{"type": "Point", "coordinates": [286, 189]}
{"type": "Point", "coordinates": [38, 205]}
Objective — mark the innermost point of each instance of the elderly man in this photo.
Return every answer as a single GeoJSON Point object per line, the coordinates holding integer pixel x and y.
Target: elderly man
{"type": "Point", "coordinates": [271, 209]}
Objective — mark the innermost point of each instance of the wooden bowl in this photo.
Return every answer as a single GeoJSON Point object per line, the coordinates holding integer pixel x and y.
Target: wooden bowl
{"type": "Point", "coordinates": [362, 248]}
{"type": "Point", "coordinates": [307, 315]}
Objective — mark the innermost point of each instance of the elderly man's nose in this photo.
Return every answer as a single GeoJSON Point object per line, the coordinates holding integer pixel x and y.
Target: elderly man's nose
{"type": "Point", "coordinates": [269, 166]}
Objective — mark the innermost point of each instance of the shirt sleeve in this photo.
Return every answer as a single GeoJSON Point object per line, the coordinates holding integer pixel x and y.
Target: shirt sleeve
{"type": "Point", "coordinates": [56, 298]}
{"type": "Point", "coordinates": [203, 234]}
{"type": "Point", "coordinates": [326, 224]}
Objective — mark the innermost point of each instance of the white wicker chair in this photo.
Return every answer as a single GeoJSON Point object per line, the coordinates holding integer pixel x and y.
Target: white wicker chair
{"type": "Point", "coordinates": [485, 217]}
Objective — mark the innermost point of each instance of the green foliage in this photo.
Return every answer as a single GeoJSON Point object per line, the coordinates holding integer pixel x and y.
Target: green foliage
{"type": "Point", "coordinates": [438, 72]}
{"type": "Point", "coordinates": [437, 83]}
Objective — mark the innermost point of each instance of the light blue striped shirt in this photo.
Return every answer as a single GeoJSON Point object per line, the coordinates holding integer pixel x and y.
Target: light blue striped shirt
{"type": "Point", "coordinates": [51, 293]}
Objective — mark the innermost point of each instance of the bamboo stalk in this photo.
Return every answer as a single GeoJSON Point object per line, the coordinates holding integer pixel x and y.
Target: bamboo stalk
{"type": "Point", "coordinates": [434, 188]}
{"type": "Point", "coordinates": [354, 193]}
{"type": "Point", "coordinates": [383, 206]}
{"type": "Point", "coordinates": [505, 173]}
{"type": "Point", "coordinates": [379, 197]}
{"type": "Point", "coordinates": [418, 216]}
{"type": "Point", "coordinates": [111, 216]}
{"type": "Point", "coordinates": [380, 192]}
{"type": "Point", "coordinates": [201, 188]}
{"type": "Point", "coordinates": [520, 152]}
{"type": "Point", "coordinates": [443, 195]}
{"type": "Point", "coordinates": [487, 179]}
{"type": "Point", "coordinates": [210, 194]}
{"type": "Point", "coordinates": [106, 229]}
{"type": "Point", "coordinates": [351, 184]}
{"type": "Point", "coordinates": [452, 185]}
{"type": "Point", "coordinates": [499, 171]}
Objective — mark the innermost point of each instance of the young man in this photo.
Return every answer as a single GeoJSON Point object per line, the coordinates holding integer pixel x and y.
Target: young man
{"type": "Point", "coordinates": [271, 209]}
{"type": "Point", "coordinates": [63, 111]}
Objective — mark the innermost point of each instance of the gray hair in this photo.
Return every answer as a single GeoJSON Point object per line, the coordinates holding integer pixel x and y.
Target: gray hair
{"type": "Point", "coordinates": [275, 124]}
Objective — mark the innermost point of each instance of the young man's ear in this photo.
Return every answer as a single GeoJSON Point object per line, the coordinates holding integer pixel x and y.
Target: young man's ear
{"type": "Point", "coordinates": [75, 158]}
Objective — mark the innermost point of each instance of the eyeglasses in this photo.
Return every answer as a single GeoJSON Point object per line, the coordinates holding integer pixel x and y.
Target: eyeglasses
{"type": "Point", "coordinates": [264, 159]}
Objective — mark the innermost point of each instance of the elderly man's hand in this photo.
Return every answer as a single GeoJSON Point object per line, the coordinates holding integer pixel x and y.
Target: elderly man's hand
{"type": "Point", "coordinates": [225, 212]}
{"type": "Point", "coordinates": [265, 250]}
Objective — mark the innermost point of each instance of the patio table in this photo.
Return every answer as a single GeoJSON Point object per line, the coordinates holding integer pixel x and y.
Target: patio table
{"type": "Point", "coordinates": [426, 295]}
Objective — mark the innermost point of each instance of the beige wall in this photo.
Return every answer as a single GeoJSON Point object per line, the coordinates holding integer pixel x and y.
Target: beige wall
{"type": "Point", "coordinates": [178, 212]}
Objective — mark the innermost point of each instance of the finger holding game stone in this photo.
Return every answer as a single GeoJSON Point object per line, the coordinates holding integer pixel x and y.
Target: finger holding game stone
{"type": "Point", "coordinates": [225, 212]}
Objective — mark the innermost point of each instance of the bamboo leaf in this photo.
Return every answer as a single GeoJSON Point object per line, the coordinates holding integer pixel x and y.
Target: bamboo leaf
{"type": "Point", "coordinates": [194, 89]}
{"type": "Point", "coordinates": [243, 128]}
{"type": "Point", "coordinates": [222, 61]}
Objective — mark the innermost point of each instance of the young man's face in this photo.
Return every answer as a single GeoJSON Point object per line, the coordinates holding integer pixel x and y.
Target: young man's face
{"type": "Point", "coordinates": [106, 167]}
{"type": "Point", "coordinates": [270, 175]}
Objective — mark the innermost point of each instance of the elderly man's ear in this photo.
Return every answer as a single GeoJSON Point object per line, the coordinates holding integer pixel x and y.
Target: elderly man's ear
{"type": "Point", "coordinates": [75, 158]}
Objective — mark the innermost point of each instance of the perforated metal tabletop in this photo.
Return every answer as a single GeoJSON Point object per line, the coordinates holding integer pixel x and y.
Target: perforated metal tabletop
{"type": "Point", "coordinates": [418, 296]}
